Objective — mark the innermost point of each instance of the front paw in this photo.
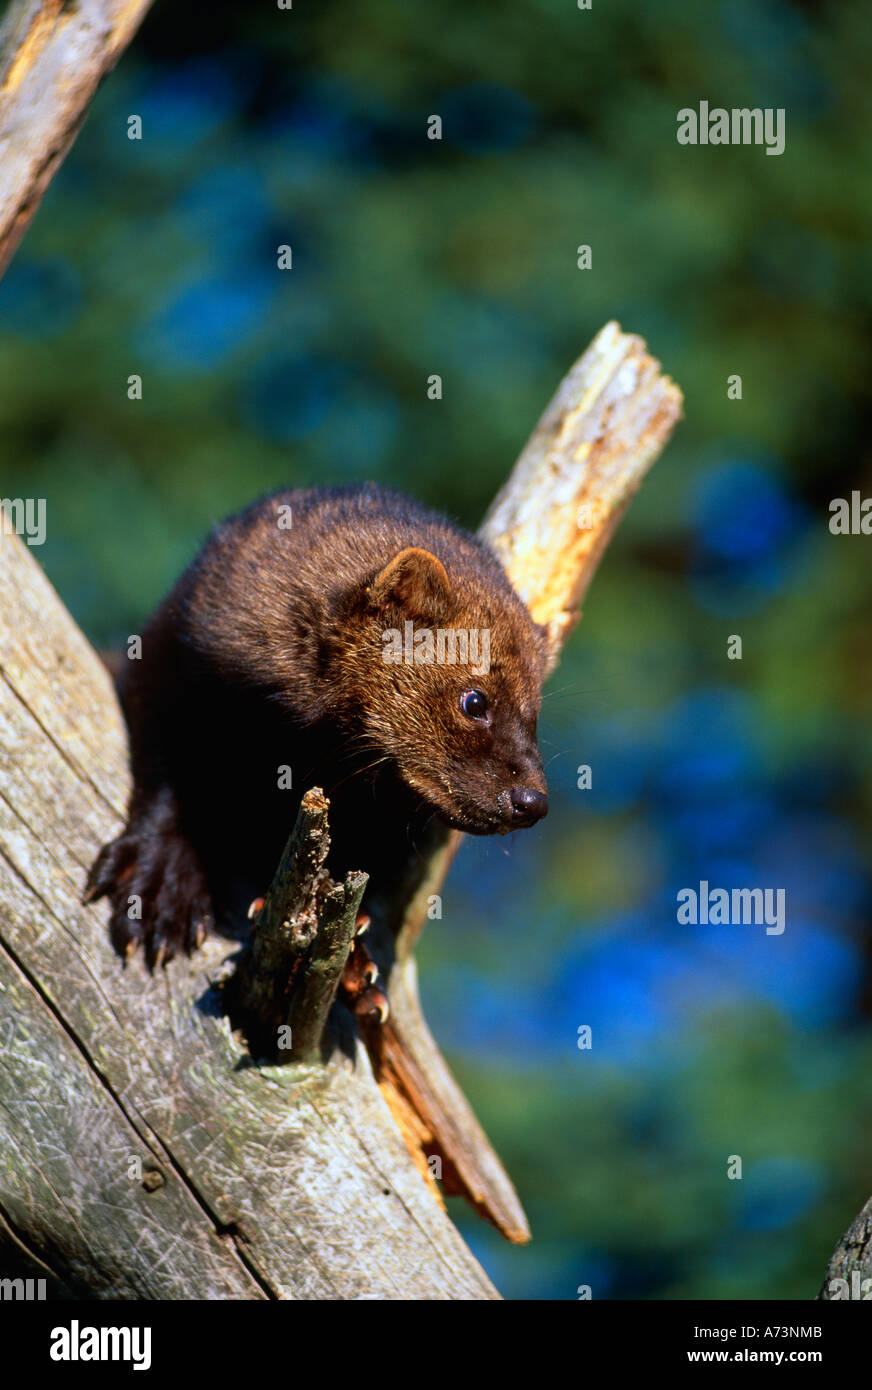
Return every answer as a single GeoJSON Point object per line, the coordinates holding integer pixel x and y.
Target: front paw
{"type": "Point", "coordinates": [157, 890]}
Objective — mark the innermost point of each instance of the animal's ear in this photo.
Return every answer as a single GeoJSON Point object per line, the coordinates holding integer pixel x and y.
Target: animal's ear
{"type": "Point", "coordinates": [415, 581]}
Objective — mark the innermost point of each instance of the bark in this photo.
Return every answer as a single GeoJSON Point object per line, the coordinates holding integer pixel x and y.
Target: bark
{"type": "Point", "coordinates": [851, 1262]}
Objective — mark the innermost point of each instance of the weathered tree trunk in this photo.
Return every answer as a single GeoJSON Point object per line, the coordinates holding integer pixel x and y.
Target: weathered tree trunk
{"type": "Point", "coordinates": [143, 1153]}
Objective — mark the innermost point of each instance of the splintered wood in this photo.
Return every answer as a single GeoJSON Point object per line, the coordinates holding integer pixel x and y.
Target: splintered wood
{"type": "Point", "coordinates": [609, 419]}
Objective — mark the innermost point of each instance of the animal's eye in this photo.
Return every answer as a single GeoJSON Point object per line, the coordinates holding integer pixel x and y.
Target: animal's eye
{"type": "Point", "coordinates": [474, 703]}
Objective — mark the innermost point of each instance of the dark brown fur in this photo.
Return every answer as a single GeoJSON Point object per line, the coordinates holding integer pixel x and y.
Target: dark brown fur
{"type": "Point", "coordinates": [269, 652]}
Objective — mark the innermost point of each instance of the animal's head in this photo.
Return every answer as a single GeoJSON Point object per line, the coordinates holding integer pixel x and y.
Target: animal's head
{"type": "Point", "coordinates": [447, 674]}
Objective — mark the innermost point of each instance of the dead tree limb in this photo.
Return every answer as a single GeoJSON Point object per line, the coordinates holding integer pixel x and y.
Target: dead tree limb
{"type": "Point", "coordinates": [53, 57]}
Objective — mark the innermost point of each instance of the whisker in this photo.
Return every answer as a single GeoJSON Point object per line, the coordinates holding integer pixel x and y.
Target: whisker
{"type": "Point", "coordinates": [561, 752]}
{"type": "Point", "coordinates": [358, 772]}
{"type": "Point", "coordinates": [577, 690]}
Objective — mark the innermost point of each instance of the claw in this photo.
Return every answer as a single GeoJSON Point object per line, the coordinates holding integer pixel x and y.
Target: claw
{"type": "Point", "coordinates": [158, 866]}
{"type": "Point", "coordinates": [372, 1003]}
{"type": "Point", "coordinates": [364, 997]}
{"type": "Point", "coordinates": [254, 908]}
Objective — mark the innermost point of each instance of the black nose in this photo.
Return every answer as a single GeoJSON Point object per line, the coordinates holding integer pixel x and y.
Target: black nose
{"type": "Point", "coordinates": [528, 805]}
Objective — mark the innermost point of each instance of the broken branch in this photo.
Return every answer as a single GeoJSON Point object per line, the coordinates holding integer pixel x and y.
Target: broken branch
{"type": "Point", "coordinates": [288, 975]}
